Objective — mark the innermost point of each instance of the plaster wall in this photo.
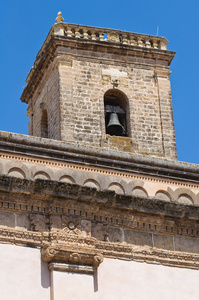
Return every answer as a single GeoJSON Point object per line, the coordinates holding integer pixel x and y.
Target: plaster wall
{"type": "Point", "coordinates": [23, 275]}
{"type": "Point", "coordinates": [122, 280]}
{"type": "Point", "coordinates": [73, 286]}
{"type": "Point", "coordinates": [133, 280]}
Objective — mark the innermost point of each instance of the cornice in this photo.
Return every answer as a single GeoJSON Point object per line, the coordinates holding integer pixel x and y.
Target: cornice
{"type": "Point", "coordinates": [58, 153]}
{"type": "Point", "coordinates": [41, 199]}
{"type": "Point", "coordinates": [95, 169]}
{"type": "Point", "coordinates": [167, 258]}
{"type": "Point", "coordinates": [71, 256]}
{"type": "Point", "coordinates": [46, 204]}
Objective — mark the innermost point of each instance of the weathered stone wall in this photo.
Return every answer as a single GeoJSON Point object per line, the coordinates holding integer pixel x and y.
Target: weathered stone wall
{"type": "Point", "coordinates": [72, 91]}
{"type": "Point", "coordinates": [81, 102]}
{"type": "Point", "coordinates": [84, 81]}
{"type": "Point", "coordinates": [46, 98]}
{"type": "Point", "coordinates": [166, 115]}
{"type": "Point", "coordinates": [74, 70]}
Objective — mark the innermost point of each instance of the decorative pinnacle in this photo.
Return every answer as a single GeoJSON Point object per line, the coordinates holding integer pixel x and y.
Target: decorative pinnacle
{"type": "Point", "coordinates": [59, 18]}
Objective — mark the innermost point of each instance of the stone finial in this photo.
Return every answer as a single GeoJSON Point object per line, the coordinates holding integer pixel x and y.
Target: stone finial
{"type": "Point", "coordinates": [59, 18]}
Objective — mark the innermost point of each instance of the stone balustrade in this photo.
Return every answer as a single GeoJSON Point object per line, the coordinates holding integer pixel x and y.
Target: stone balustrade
{"type": "Point", "coordinates": [104, 35]}
{"type": "Point", "coordinates": [110, 36]}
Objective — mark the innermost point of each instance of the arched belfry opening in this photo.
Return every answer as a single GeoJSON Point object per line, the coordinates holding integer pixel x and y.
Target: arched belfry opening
{"type": "Point", "coordinates": [116, 110]}
{"type": "Point", "coordinates": [44, 124]}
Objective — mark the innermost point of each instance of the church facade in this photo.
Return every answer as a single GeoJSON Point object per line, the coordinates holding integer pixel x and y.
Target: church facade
{"type": "Point", "coordinates": [94, 204]}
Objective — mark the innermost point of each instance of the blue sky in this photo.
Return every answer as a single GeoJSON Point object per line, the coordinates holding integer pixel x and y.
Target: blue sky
{"type": "Point", "coordinates": [25, 25]}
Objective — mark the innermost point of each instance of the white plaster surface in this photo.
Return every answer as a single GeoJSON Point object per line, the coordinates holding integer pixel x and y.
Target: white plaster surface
{"type": "Point", "coordinates": [22, 274]}
{"type": "Point", "coordinates": [72, 286]}
{"type": "Point", "coordinates": [123, 280]}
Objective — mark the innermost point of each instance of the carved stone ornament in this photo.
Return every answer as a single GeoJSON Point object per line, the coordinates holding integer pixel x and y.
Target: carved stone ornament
{"type": "Point", "coordinates": [112, 234]}
{"type": "Point", "coordinates": [59, 18]}
{"type": "Point", "coordinates": [115, 81]}
{"type": "Point", "coordinates": [71, 226]}
{"type": "Point", "coordinates": [72, 254]}
{"type": "Point", "coordinates": [43, 105]}
{"type": "Point", "coordinates": [38, 222]}
{"type": "Point", "coordinates": [113, 37]}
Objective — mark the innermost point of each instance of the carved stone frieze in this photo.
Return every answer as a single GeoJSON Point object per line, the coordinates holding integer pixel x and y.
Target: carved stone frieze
{"type": "Point", "coordinates": [77, 250]}
{"type": "Point", "coordinates": [59, 218]}
{"type": "Point", "coordinates": [38, 201]}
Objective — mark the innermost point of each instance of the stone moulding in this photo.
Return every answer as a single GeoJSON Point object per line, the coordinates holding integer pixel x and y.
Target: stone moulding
{"type": "Point", "coordinates": [22, 237]}
{"type": "Point", "coordinates": [69, 255]}
{"type": "Point", "coordinates": [60, 219]}
{"type": "Point", "coordinates": [41, 151]}
{"type": "Point", "coordinates": [41, 199]}
{"type": "Point", "coordinates": [72, 254]}
{"type": "Point", "coordinates": [96, 170]}
{"type": "Point", "coordinates": [72, 268]}
{"type": "Point", "coordinates": [167, 258]}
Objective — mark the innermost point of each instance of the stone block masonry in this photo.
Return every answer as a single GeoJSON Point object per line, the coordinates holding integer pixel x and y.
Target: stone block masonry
{"type": "Point", "coordinates": [46, 97]}
{"type": "Point", "coordinates": [76, 73]}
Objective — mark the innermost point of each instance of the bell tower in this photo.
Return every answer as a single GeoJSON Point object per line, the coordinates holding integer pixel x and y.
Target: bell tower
{"type": "Point", "coordinates": [94, 196]}
{"type": "Point", "coordinates": [102, 88]}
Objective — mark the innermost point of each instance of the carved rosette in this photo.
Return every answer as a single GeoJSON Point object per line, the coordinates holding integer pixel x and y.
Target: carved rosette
{"type": "Point", "coordinates": [71, 226]}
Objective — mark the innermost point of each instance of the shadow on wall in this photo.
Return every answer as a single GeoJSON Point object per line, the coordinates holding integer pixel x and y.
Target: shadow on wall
{"type": "Point", "coordinates": [45, 275]}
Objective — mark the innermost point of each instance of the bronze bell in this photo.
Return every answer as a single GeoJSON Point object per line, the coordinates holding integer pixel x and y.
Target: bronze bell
{"type": "Point", "coordinates": [114, 127]}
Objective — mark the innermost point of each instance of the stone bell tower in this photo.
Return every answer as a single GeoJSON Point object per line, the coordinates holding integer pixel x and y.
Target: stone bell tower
{"type": "Point", "coordinates": [84, 76]}
{"type": "Point", "coordinates": [94, 204]}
